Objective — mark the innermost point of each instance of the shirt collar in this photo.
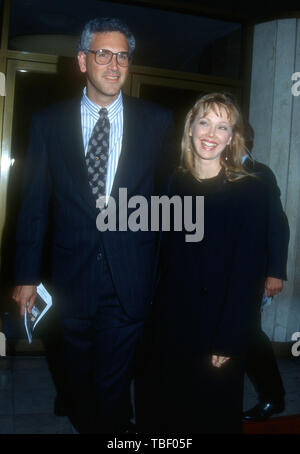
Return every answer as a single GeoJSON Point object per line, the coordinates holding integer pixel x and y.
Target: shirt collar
{"type": "Point", "coordinates": [244, 158]}
{"type": "Point", "coordinates": [113, 109]}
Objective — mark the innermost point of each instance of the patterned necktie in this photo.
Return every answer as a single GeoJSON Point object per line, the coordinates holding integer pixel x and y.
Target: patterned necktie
{"type": "Point", "coordinates": [97, 154]}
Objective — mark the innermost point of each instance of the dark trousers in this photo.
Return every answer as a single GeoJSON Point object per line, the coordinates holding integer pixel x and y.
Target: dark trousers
{"type": "Point", "coordinates": [98, 356]}
{"type": "Point", "coordinates": [261, 365]}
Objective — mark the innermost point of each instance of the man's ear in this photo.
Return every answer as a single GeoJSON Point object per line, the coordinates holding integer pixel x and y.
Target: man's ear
{"type": "Point", "coordinates": [81, 58]}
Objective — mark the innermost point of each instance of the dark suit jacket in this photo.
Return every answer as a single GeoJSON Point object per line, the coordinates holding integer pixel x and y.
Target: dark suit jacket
{"type": "Point", "coordinates": [56, 175]}
{"type": "Point", "coordinates": [278, 227]}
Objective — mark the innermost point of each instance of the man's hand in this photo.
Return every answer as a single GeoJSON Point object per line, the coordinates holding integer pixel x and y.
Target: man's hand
{"type": "Point", "coordinates": [273, 286]}
{"type": "Point", "coordinates": [24, 294]}
{"type": "Point", "coordinates": [218, 361]}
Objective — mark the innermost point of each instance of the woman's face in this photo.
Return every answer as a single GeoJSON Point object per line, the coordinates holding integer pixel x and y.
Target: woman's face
{"type": "Point", "coordinates": [211, 134]}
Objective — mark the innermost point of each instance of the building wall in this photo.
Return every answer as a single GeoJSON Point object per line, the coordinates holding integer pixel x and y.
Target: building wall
{"type": "Point", "coordinates": [275, 118]}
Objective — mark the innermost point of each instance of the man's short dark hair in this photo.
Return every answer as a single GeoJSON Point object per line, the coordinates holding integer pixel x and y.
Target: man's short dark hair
{"type": "Point", "coordinates": [104, 25]}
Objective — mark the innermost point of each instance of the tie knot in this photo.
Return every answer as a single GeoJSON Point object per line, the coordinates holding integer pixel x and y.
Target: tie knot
{"type": "Point", "coordinates": [103, 112]}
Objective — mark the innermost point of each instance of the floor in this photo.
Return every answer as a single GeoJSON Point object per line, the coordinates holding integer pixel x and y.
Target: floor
{"type": "Point", "coordinates": [27, 395]}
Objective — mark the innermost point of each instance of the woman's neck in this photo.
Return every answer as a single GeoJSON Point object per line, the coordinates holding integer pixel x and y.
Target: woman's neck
{"type": "Point", "coordinates": [206, 168]}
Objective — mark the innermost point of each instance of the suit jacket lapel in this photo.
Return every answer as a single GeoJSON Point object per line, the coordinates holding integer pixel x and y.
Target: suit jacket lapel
{"type": "Point", "coordinates": [75, 158]}
{"type": "Point", "coordinates": [74, 154]}
{"type": "Point", "coordinates": [126, 165]}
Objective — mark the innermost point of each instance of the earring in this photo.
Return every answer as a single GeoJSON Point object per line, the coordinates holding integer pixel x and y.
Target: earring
{"type": "Point", "coordinates": [226, 151]}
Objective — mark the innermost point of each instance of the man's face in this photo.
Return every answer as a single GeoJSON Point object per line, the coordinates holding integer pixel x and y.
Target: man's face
{"type": "Point", "coordinates": [104, 81]}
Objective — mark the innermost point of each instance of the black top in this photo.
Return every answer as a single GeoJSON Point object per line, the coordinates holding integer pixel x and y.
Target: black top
{"type": "Point", "coordinates": [208, 290]}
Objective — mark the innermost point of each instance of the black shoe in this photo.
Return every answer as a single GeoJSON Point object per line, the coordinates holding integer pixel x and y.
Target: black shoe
{"type": "Point", "coordinates": [263, 410]}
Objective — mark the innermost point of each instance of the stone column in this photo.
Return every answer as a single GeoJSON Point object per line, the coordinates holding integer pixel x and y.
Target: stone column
{"type": "Point", "coordinates": [275, 118]}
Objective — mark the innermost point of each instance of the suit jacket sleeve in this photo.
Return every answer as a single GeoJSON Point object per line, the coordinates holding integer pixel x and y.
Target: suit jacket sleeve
{"type": "Point", "coordinates": [278, 232]}
{"type": "Point", "coordinates": [33, 217]}
{"type": "Point", "coordinates": [278, 227]}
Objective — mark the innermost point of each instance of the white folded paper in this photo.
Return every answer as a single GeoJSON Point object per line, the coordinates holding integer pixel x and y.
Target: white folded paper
{"type": "Point", "coordinates": [41, 305]}
{"type": "Point", "coordinates": [266, 301]}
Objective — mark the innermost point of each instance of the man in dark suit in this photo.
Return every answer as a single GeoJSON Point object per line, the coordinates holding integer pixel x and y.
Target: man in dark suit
{"type": "Point", "coordinates": [102, 281]}
{"type": "Point", "coordinates": [261, 365]}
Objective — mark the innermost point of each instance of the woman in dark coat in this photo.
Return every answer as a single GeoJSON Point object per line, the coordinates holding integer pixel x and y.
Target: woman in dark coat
{"type": "Point", "coordinates": [208, 289]}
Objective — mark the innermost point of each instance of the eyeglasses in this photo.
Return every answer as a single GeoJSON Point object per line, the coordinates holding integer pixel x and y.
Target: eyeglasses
{"type": "Point", "coordinates": [104, 56]}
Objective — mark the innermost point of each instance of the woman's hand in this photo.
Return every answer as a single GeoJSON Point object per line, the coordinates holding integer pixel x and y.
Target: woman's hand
{"type": "Point", "coordinates": [218, 361]}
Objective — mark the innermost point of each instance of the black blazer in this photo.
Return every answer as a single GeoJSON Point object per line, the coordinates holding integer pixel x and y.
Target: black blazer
{"type": "Point", "coordinates": [56, 176]}
{"type": "Point", "coordinates": [278, 226]}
